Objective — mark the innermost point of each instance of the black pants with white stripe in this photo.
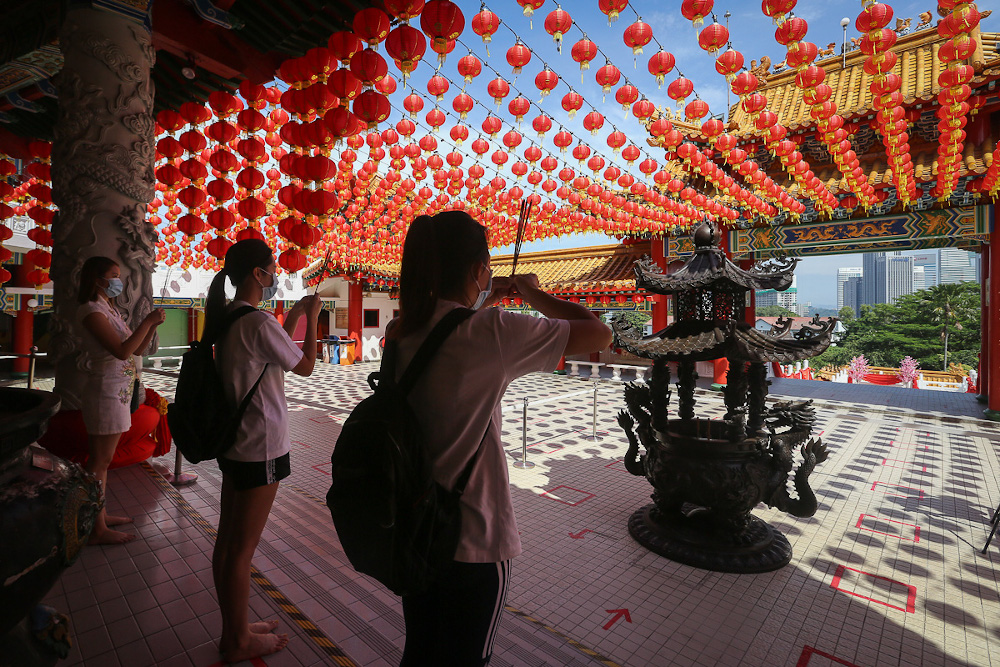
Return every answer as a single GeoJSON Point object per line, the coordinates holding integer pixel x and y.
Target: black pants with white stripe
{"type": "Point", "coordinates": [454, 624]}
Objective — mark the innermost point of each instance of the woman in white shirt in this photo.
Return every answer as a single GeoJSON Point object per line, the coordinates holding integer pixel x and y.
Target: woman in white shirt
{"type": "Point", "coordinates": [446, 265]}
{"type": "Point", "coordinates": [253, 347]}
{"type": "Point", "coordinates": [112, 366]}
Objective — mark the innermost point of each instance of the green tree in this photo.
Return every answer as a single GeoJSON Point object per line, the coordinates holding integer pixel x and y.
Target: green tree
{"type": "Point", "coordinates": [774, 311]}
{"type": "Point", "coordinates": [952, 307]}
{"type": "Point", "coordinates": [846, 315]}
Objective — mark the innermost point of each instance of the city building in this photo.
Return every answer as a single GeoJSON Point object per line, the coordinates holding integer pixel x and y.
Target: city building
{"type": "Point", "coordinates": [842, 275]}
{"type": "Point", "coordinates": [886, 276]}
{"type": "Point", "coordinates": [927, 260]}
{"type": "Point", "coordinates": [788, 299]}
{"type": "Point", "coordinates": [852, 293]}
{"type": "Point", "coordinates": [957, 265]}
{"type": "Point", "coordinates": [899, 277]}
{"type": "Point", "coordinates": [919, 278]}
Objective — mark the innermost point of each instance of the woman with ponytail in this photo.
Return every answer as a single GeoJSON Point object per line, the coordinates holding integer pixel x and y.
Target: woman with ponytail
{"type": "Point", "coordinates": [112, 376]}
{"type": "Point", "coordinates": [251, 348]}
{"type": "Point", "coordinates": [446, 265]}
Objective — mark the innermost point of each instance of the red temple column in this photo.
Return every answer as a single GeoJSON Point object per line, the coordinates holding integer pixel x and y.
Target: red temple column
{"type": "Point", "coordinates": [23, 335]}
{"type": "Point", "coordinates": [24, 320]}
{"type": "Point", "coordinates": [355, 314]}
{"type": "Point", "coordinates": [984, 338]}
{"type": "Point", "coordinates": [661, 304]}
{"type": "Point", "coordinates": [993, 325]}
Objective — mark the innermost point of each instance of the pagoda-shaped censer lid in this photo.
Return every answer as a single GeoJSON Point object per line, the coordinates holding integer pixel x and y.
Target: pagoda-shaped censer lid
{"type": "Point", "coordinates": [709, 296]}
{"type": "Point", "coordinates": [709, 267]}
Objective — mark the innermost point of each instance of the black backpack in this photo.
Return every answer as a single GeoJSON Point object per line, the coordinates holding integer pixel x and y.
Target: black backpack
{"type": "Point", "coordinates": [203, 423]}
{"type": "Point", "coordinates": [394, 521]}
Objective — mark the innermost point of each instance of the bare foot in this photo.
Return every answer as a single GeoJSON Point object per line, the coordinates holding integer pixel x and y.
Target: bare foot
{"type": "Point", "coordinates": [263, 627]}
{"type": "Point", "coordinates": [259, 644]}
{"type": "Point", "coordinates": [117, 520]}
{"type": "Point", "coordinates": [109, 537]}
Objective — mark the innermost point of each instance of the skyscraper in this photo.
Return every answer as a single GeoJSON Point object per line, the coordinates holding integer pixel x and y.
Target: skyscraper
{"type": "Point", "coordinates": [957, 265]}
{"type": "Point", "coordinates": [898, 277]}
{"type": "Point", "coordinates": [852, 293]}
{"type": "Point", "coordinates": [886, 277]}
{"type": "Point", "coordinates": [873, 286]}
{"type": "Point", "coordinates": [927, 260]}
{"type": "Point", "coordinates": [842, 276]}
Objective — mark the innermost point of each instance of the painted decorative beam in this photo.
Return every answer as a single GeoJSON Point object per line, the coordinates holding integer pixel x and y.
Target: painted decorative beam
{"type": "Point", "coordinates": [904, 231]}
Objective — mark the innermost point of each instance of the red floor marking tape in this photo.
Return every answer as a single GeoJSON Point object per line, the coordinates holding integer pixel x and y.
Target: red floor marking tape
{"type": "Point", "coordinates": [566, 502]}
{"type": "Point", "coordinates": [808, 652]}
{"type": "Point", "coordinates": [916, 529]}
{"type": "Point", "coordinates": [900, 486]}
{"type": "Point", "coordinates": [911, 594]}
{"type": "Point", "coordinates": [905, 463]}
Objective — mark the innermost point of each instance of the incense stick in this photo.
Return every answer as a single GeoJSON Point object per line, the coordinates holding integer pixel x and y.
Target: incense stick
{"type": "Point", "coordinates": [322, 273]}
{"type": "Point", "coordinates": [522, 222]}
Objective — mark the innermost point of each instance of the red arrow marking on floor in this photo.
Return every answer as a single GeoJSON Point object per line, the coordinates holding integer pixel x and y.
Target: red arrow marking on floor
{"type": "Point", "coordinates": [618, 613]}
{"type": "Point", "coordinates": [579, 536]}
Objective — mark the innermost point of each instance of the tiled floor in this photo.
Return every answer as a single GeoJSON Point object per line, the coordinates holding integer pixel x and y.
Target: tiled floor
{"type": "Point", "coordinates": [887, 573]}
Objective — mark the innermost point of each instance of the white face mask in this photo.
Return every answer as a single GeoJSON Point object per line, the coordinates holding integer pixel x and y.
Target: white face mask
{"type": "Point", "coordinates": [269, 290]}
{"type": "Point", "coordinates": [483, 293]}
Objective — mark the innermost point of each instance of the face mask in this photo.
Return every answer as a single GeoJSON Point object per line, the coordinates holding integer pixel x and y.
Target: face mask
{"type": "Point", "coordinates": [270, 290]}
{"type": "Point", "coordinates": [484, 294]}
{"type": "Point", "coordinates": [114, 288]}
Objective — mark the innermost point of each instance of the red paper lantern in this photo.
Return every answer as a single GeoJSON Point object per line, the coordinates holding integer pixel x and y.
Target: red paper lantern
{"type": "Point", "coordinates": [529, 6]}
{"type": "Point", "coordinates": [661, 63]}
{"type": "Point", "coordinates": [518, 56]}
{"type": "Point", "coordinates": [583, 52]}
{"type": "Point", "coordinates": [518, 107]}
{"type": "Point", "coordinates": [607, 77]}
{"type": "Point", "coordinates": [638, 35]}
{"type": "Point", "coordinates": [680, 88]}
{"type": "Point", "coordinates": [371, 25]}
{"type": "Point", "coordinates": [437, 86]}
{"type": "Point", "coordinates": [463, 104]}
{"type": "Point", "coordinates": [442, 20]}
{"type": "Point", "coordinates": [498, 89]}
{"type": "Point", "coordinates": [369, 67]}
{"type": "Point", "coordinates": [593, 121]}
{"type": "Point", "coordinates": [792, 30]}
{"type": "Point", "coordinates": [557, 24]}
{"type": "Point", "coordinates": [612, 8]}
{"type": "Point", "coordinates": [546, 81]}
{"type": "Point", "coordinates": [572, 102]}
{"type": "Point", "coordinates": [729, 63]}
{"type": "Point", "coordinates": [696, 10]}
{"type": "Point", "coordinates": [492, 125]}
{"type": "Point", "coordinates": [344, 44]}
{"type": "Point", "coordinates": [541, 124]}
{"type": "Point", "coordinates": [406, 45]}
{"type": "Point", "coordinates": [469, 67]}
{"type": "Point", "coordinates": [485, 24]}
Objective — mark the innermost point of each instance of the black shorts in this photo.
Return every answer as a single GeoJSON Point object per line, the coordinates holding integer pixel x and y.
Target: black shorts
{"type": "Point", "coordinates": [246, 475]}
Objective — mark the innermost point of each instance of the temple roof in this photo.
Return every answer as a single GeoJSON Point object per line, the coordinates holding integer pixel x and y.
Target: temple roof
{"type": "Point", "coordinates": [703, 340]}
{"type": "Point", "coordinates": [918, 67]}
{"type": "Point", "coordinates": [599, 268]}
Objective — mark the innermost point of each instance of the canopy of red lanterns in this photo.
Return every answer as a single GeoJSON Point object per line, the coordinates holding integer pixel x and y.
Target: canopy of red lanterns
{"type": "Point", "coordinates": [338, 158]}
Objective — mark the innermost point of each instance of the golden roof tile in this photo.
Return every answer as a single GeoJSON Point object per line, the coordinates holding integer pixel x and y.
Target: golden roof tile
{"type": "Point", "coordinates": [595, 269]}
{"type": "Point", "coordinates": [918, 66]}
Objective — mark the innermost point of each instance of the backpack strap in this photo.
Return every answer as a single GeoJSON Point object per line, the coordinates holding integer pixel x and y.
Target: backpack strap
{"type": "Point", "coordinates": [228, 322]}
{"type": "Point", "coordinates": [427, 349]}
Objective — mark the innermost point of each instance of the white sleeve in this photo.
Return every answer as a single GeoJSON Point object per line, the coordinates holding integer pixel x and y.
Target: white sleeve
{"type": "Point", "coordinates": [273, 346]}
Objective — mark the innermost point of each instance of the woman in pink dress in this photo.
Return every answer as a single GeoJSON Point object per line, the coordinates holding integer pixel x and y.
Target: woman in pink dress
{"type": "Point", "coordinates": [111, 364]}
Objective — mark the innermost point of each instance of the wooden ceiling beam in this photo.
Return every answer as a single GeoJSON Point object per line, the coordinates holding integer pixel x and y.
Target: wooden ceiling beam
{"type": "Point", "coordinates": [178, 30]}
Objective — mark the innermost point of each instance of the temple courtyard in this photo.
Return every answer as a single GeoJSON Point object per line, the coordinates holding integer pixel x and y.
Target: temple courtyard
{"type": "Point", "coordinates": [888, 571]}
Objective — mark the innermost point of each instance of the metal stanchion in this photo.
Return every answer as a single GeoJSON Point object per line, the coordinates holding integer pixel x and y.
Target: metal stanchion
{"type": "Point", "coordinates": [524, 463]}
{"type": "Point", "coordinates": [31, 366]}
{"type": "Point", "coordinates": [177, 477]}
{"type": "Point", "coordinates": [593, 437]}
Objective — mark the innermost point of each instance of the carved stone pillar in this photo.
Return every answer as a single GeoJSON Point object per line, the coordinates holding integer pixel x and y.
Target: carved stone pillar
{"type": "Point", "coordinates": [102, 173]}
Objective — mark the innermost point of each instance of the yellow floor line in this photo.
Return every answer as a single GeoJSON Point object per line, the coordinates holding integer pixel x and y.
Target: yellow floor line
{"type": "Point", "coordinates": [569, 640]}
{"type": "Point", "coordinates": [332, 651]}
